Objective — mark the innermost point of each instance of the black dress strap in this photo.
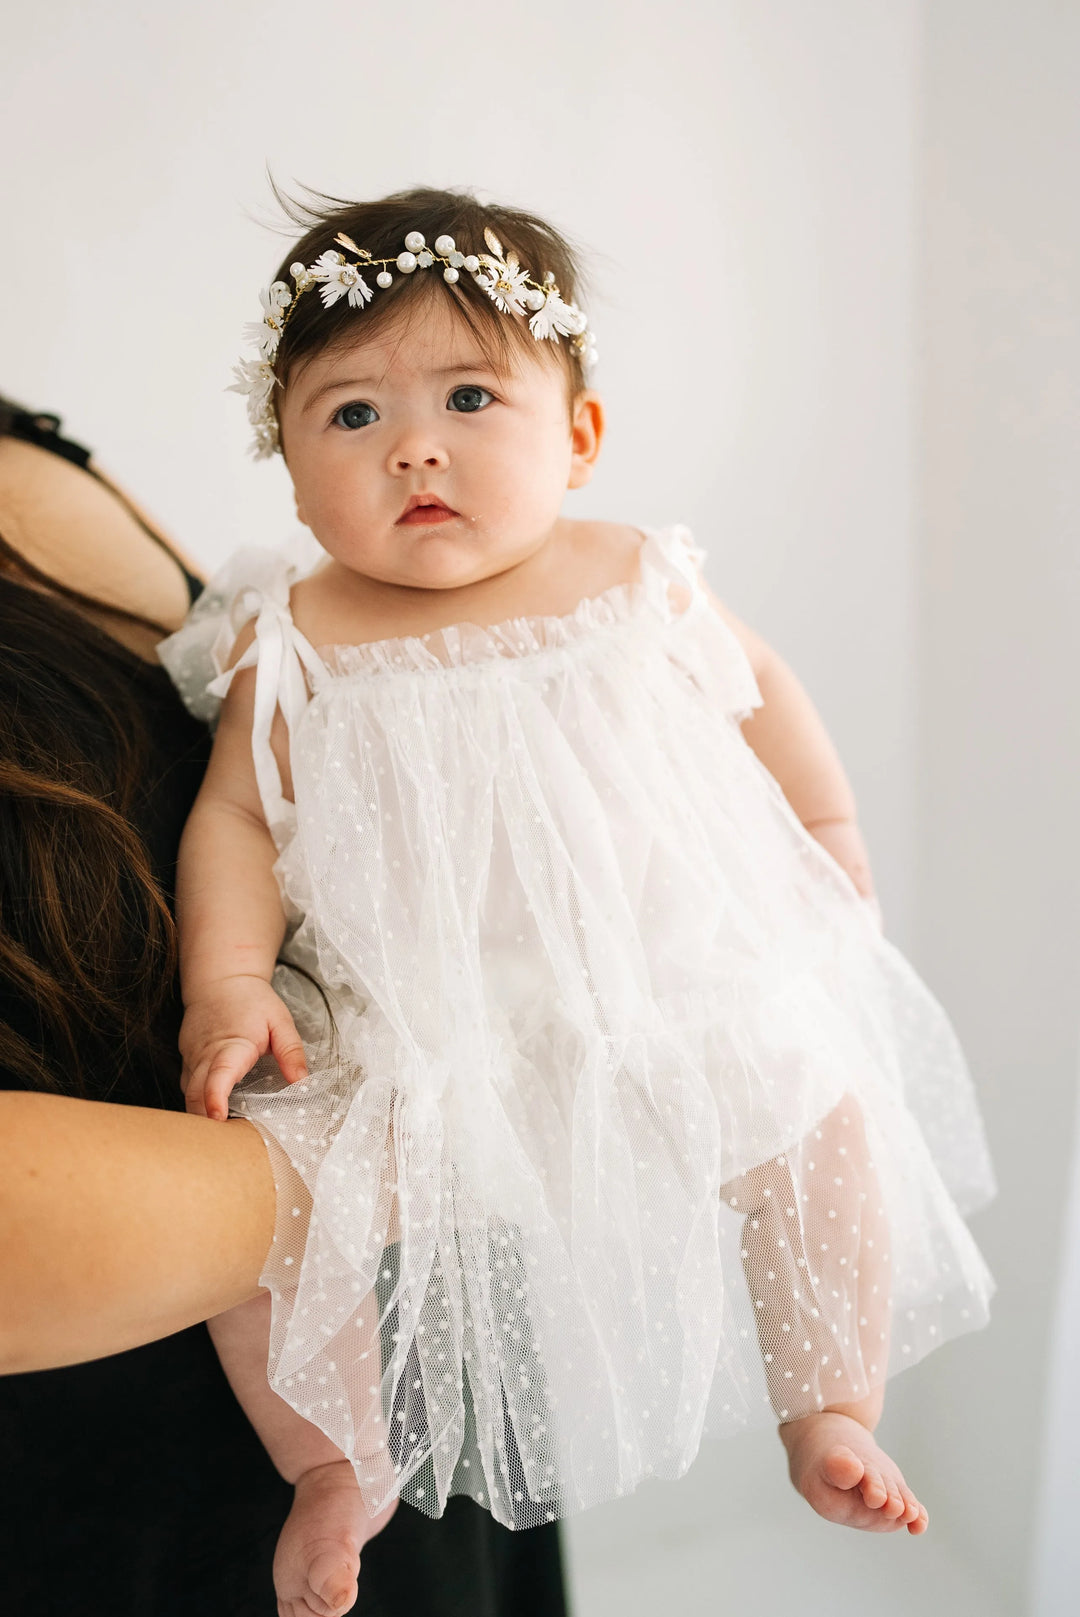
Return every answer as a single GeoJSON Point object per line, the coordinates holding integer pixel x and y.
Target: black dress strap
{"type": "Point", "coordinates": [42, 428]}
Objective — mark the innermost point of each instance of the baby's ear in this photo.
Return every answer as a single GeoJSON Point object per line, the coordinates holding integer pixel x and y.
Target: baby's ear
{"type": "Point", "coordinates": [586, 436]}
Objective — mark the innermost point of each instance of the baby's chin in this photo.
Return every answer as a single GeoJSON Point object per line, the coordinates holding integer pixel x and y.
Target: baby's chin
{"type": "Point", "coordinates": [445, 557]}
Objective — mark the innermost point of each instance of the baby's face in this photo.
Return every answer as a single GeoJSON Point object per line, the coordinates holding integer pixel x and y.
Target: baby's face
{"type": "Point", "coordinates": [369, 427]}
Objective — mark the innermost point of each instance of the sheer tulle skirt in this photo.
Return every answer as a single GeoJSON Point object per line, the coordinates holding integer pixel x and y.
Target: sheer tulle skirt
{"type": "Point", "coordinates": [629, 1126]}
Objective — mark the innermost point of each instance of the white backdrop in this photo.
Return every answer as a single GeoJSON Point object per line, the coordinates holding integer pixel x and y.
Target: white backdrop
{"type": "Point", "coordinates": [810, 234]}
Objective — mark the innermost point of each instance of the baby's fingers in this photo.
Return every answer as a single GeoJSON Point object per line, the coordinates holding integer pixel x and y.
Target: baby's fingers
{"type": "Point", "coordinates": [287, 1047]}
{"type": "Point", "coordinates": [232, 1059]}
{"type": "Point", "coordinates": [193, 1085]}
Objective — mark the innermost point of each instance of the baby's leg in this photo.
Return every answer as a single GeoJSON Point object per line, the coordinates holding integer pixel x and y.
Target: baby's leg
{"type": "Point", "coordinates": [815, 1251]}
{"type": "Point", "coordinates": [318, 1553]}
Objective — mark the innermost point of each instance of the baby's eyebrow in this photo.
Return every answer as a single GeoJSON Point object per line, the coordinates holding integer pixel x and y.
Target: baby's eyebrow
{"type": "Point", "coordinates": [333, 384]}
{"type": "Point", "coordinates": [479, 364]}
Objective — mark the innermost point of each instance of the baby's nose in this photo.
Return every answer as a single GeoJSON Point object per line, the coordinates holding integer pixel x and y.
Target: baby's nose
{"type": "Point", "coordinates": [406, 463]}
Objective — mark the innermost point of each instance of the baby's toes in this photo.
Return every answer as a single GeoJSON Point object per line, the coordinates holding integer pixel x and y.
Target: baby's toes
{"type": "Point", "coordinates": [842, 1468]}
{"type": "Point", "coordinates": [872, 1487]}
{"type": "Point", "coordinates": [920, 1522]}
{"type": "Point", "coordinates": [333, 1580]}
{"type": "Point", "coordinates": [911, 1505]}
{"type": "Point", "coordinates": [894, 1506]}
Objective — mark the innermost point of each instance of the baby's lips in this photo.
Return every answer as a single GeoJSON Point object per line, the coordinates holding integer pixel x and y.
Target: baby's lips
{"type": "Point", "coordinates": [426, 502]}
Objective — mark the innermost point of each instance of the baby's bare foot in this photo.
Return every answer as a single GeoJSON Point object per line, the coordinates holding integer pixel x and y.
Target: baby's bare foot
{"type": "Point", "coordinates": [839, 1469]}
{"type": "Point", "coordinates": [318, 1554]}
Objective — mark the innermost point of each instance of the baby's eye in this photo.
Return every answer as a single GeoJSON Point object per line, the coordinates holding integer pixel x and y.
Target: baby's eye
{"type": "Point", "coordinates": [469, 399]}
{"type": "Point", "coordinates": [355, 415]}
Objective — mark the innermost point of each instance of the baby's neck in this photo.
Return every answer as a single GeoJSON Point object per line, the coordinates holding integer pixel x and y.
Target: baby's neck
{"type": "Point", "coordinates": [336, 605]}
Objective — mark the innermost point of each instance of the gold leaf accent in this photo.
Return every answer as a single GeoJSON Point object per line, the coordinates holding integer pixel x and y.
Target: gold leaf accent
{"type": "Point", "coordinates": [493, 241]}
{"type": "Point", "coordinates": [347, 241]}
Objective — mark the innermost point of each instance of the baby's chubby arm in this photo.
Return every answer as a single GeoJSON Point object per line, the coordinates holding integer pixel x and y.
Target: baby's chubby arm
{"type": "Point", "coordinates": [788, 735]}
{"type": "Point", "coordinates": [231, 924]}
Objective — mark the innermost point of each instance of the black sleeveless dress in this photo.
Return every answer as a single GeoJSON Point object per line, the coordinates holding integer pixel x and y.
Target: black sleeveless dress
{"type": "Point", "coordinates": [134, 1484]}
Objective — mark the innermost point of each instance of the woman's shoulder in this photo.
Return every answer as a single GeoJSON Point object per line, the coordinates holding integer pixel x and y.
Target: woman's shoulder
{"type": "Point", "coordinates": [71, 525]}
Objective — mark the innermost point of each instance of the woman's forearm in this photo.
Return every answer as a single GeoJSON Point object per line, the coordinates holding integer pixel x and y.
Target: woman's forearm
{"type": "Point", "coordinates": [119, 1225]}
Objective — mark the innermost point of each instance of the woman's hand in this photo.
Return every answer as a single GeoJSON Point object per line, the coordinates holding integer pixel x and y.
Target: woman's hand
{"type": "Point", "coordinates": [224, 1032]}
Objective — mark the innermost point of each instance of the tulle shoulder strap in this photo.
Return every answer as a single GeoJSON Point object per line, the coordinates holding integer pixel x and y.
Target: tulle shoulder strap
{"type": "Point", "coordinates": [673, 552]}
{"type": "Point", "coordinates": [707, 646]}
{"type": "Point", "coordinates": [253, 586]}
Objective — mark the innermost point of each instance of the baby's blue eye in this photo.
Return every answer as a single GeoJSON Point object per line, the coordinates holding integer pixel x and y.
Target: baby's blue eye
{"type": "Point", "coordinates": [352, 416]}
{"type": "Point", "coordinates": [468, 399]}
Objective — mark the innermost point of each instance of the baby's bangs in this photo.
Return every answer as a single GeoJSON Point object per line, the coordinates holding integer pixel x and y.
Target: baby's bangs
{"type": "Point", "coordinates": [501, 339]}
{"type": "Point", "coordinates": [504, 340]}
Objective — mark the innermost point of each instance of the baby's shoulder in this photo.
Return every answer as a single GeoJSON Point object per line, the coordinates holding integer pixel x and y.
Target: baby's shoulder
{"type": "Point", "coordinates": [592, 533]}
{"type": "Point", "coordinates": [602, 554]}
{"type": "Point", "coordinates": [331, 606]}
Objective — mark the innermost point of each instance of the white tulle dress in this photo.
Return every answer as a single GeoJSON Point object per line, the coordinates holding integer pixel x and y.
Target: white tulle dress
{"type": "Point", "coordinates": [628, 1125]}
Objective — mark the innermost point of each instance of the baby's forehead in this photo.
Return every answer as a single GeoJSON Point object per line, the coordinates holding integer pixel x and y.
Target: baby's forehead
{"type": "Point", "coordinates": [414, 349]}
{"type": "Point", "coordinates": [428, 340]}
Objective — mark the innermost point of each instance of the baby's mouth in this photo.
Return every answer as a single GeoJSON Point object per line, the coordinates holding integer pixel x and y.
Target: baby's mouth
{"type": "Point", "coordinates": [423, 510]}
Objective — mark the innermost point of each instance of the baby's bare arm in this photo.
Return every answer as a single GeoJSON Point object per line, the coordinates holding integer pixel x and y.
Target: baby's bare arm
{"type": "Point", "coordinates": [231, 923]}
{"type": "Point", "coordinates": [788, 735]}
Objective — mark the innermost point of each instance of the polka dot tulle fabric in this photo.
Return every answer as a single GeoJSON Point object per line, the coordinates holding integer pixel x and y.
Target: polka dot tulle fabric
{"type": "Point", "coordinates": [625, 1124]}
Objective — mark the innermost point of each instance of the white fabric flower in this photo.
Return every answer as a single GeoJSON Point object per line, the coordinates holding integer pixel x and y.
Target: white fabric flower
{"type": "Point", "coordinates": [340, 280]}
{"type": "Point", "coordinates": [504, 281]}
{"type": "Point", "coordinates": [266, 333]}
{"type": "Point", "coordinates": [555, 319]}
{"type": "Point", "coordinates": [255, 378]}
{"type": "Point", "coordinates": [265, 337]}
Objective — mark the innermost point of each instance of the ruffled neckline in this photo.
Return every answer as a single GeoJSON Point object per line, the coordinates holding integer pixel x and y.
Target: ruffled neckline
{"type": "Point", "coordinates": [516, 640]}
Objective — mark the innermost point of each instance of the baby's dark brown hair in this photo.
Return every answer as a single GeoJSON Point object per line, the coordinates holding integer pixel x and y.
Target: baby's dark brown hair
{"type": "Point", "coordinates": [381, 228]}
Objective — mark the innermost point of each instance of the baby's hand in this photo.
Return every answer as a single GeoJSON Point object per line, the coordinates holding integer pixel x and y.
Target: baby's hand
{"type": "Point", "coordinates": [223, 1034]}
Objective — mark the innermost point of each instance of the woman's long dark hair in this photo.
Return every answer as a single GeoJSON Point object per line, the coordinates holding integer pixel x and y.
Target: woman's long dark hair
{"type": "Point", "coordinates": [87, 943]}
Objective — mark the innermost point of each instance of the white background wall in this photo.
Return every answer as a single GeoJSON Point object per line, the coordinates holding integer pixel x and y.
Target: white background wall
{"type": "Point", "coordinates": [999, 765]}
{"type": "Point", "coordinates": [835, 262]}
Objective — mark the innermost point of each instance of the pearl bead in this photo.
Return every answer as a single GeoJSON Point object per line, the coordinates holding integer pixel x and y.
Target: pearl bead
{"type": "Point", "coordinates": [406, 263]}
{"type": "Point", "coordinates": [450, 274]}
{"type": "Point", "coordinates": [444, 245]}
{"type": "Point", "coordinates": [425, 259]}
{"type": "Point", "coordinates": [535, 299]}
{"type": "Point", "coordinates": [414, 241]}
{"type": "Point", "coordinates": [296, 269]}
{"type": "Point", "coordinates": [549, 278]}
{"type": "Point", "coordinates": [472, 263]}
{"type": "Point", "coordinates": [456, 259]}
{"type": "Point", "coordinates": [384, 278]}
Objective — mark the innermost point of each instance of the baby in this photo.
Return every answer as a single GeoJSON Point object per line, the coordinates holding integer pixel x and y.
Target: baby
{"type": "Point", "coordinates": [525, 897]}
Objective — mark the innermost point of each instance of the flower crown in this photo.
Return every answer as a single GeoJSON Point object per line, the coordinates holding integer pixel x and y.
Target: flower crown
{"type": "Point", "coordinates": [509, 286]}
